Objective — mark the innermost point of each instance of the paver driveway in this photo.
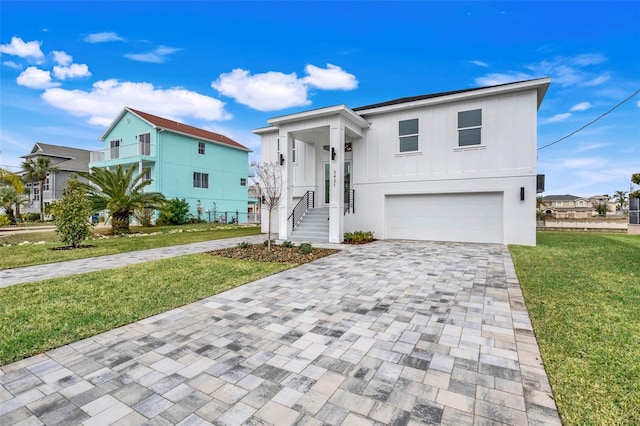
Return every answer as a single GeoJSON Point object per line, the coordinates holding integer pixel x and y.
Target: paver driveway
{"type": "Point", "coordinates": [393, 332]}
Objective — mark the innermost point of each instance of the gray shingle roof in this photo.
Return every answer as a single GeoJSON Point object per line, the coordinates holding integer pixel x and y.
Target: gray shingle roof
{"type": "Point", "coordinates": [63, 157]}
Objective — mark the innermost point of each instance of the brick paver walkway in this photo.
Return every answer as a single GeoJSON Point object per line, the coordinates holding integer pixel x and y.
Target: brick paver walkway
{"type": "Point", "coordinates": [385, 333]}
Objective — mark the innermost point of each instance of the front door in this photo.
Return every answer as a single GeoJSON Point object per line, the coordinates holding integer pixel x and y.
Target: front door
{"type": "Point", "coordinates": [327, 181]}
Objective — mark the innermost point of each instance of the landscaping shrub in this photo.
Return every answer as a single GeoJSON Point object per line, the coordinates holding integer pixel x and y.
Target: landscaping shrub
{"type": "Point", "coordinates": [144, 216]}
{"type": "Point", "coordinates": [358, 237]}
{"type": "Point", "coordinates": [266, 242]}
{"type": "Point", "coordinates": [305, 248]}
{"type": "Point", "coordinates": [31, 217]}
{"type": "Point", "coordinates": [4, 220]}
{"type": "Point", "coordinates": [244, 245]}
{"type": "Point", "coordinates": [176, 212]}
{"type": "Point", "coordinates": [287, 244]}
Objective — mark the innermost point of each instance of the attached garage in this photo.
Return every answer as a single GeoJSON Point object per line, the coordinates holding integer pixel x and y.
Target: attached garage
{"type": "Point", "coordinates": [470, 217]}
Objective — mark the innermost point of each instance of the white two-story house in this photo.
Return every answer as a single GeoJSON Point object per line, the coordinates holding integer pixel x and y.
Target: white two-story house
{"type": "Point", "coordinates": [452, 166]}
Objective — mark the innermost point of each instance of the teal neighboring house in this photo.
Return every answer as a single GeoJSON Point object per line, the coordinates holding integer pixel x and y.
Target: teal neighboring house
{"type": "Point", "coordinates": [207, 169]}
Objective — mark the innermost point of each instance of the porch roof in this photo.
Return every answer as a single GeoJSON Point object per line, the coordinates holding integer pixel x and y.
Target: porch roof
{"type": "Point", "coordinates": [342, 110]}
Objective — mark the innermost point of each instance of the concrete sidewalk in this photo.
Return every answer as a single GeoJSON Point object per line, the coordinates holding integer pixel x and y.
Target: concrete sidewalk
{"type": "Point", "coordinates": [392, 332]}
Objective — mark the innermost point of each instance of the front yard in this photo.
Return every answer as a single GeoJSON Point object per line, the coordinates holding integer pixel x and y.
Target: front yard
{"type": "Point", "coordinates": [582, 291]}
{"type": "Point", "coordinates": [35, 248]}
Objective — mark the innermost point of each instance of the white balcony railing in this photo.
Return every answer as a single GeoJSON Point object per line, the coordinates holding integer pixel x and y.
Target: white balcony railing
{"type": "Point", "coordinates": [126, 151]}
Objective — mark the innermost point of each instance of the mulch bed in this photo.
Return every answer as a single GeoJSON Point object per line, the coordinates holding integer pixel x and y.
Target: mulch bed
{"type": "Point", "coordinates": [259, 253]}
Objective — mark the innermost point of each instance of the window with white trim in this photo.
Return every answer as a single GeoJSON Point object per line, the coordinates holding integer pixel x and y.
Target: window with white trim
{"type": "Point", "coordinates": [35, 192]}
{"type": "Point", "coordinates": [293, 151]}
{"type": "Point", "coordinates": [200, 180]}
{"type": "Point", "coordinates": [470, 127]}
{"type": "Point", "coordinates": [201, 148]}
{"type": "Point", "coordinates": [408, 134]}
{"type": "Point", "coordinates": [144, 143]}
{"type": "Point", "coordinates": [114, 146]}
{"type": "Point", "coordinates": [46, 184]}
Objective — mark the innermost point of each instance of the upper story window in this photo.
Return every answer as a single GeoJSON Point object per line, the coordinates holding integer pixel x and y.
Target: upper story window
{"type": "Point", "coordinates": [35, 191]}
{"type": "Point", "coordinates": [558, 203]}
{"type": "Point", "coordinates": [114, 146]}
{"type": "Point", "coordinates": [469, 127]}
{"type": "Point", "coordinates": [581, 203]}
{"type": "Point", "coordinates": [144, 143]}
{"type": "Point", "coordinates": [408, 134]}
{"type": "Point", "coordinates": [201, 148]}
{"type": "Point", "coordinates": [200, 180]}
{"type": "Point", "coordinates": [243, 181]}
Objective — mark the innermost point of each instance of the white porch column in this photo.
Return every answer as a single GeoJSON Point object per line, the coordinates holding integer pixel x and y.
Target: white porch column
{"type": "Point", "coordinates": [285, 144]}
{"type": "Point", "coordinates": [336, 193]}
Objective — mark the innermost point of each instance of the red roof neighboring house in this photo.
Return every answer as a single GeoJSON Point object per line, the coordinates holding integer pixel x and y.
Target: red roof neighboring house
{"type": "Point", "coordinates": [174, 126]}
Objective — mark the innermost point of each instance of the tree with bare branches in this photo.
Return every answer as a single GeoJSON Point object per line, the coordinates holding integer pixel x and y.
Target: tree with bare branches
{"type": "Point", "coordinates": [268, 176]}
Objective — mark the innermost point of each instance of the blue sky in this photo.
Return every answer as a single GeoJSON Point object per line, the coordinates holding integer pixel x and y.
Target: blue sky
{"type": "Point", "coordinates": [68, 68]}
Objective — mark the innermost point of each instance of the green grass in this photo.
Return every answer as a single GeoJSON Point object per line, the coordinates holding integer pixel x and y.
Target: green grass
{"type": "Point", "coordinates": [582, 291]}
{"type": "Point", "coordinates": [15, 256]}
{"type": "Point", "coordinates": [39, 316]}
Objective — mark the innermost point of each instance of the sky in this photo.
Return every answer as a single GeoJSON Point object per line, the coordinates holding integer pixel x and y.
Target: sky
{"type": "Point", "coordinates": [68, 68]}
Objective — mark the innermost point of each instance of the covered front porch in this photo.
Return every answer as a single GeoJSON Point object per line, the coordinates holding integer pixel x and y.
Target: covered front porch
{"type": "Point", "coordinates": [315, 152]}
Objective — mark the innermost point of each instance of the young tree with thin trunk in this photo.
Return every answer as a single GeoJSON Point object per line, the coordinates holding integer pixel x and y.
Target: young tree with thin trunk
{"type": "Point", "coordinates": [268, 176]}
{"type": "Point", "coordinates": [38, 170]}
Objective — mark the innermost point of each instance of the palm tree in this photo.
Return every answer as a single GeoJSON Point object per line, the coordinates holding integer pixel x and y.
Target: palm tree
{"type": "Point", "coordinates": [9, 198]}
{"type": "Point", "coordinates": [38, 170]}
{"type": "Point", "coordinates": [120, 192]}
{"type": "Point", "coordinates": [15, 182]}
{"type": "Point", "coordinates": [621, 197]}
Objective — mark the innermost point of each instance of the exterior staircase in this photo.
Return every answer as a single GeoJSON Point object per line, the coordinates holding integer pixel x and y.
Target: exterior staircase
{"type": "Point", "coordinates": [313, 227]}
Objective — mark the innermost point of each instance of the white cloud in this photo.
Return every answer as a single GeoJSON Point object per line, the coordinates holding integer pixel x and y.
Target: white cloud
{"type": "Point", "coordinates": [107, 98]}
{"type": "Point", "coordinates": [591, 146]}
{"type": "Point", "coordinates": [557, 118]}
{"type": "Point", "coordinates": [589, 59]}
{"type": "Point", "coordinates": [596, 81]}
{"type": "Point", "coordinates": [35, 78]}
{"type": "Point", "coordinates": [331, 78]}
{"type": "Point", "coordinates": [12, 64]}
{"type": "Point", "coordinates": [264, 92]}
{"type": "Point", "coordinates": [638, 104]}
{"type": "Point", "coordinates": [273, 90]}
{"type": "Point", "coordinates": [72, 71]}
{"type": "Point", "coordinates": [102, 37]}
{"type": "Point", "coordinates": [584, 162]}
{"type": "Point", "coordinates": [62, 58]}
{"type": "Point", "coordinates": [582, 106]}
{"type": "Point", "coordinates": [494, 79]}
{"type": "Point", "coordinates": [19, 48]}
{"type": "Point", "coordinates": [571, 71]}
{"type": "Point", "coordinates": [156, 56]}
{"type": "Point", "coordinates": [479, 63]}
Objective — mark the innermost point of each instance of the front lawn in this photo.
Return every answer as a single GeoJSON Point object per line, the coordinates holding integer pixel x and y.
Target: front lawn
{"type": "Point", "coordinates": [39, 316]}
{"type": "Point", "coordinates": [36, 247]}
{"type": "Point", "coordinates": [582, 291]}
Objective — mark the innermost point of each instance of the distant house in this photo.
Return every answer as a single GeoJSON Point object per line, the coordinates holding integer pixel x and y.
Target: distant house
{"type": "Point", "coordinates": [573, 207]}
{"type": "Point", "coordinates": [451, 166]}
{"type": "Point", "coordinates": [207, 169]}
{"type": "Point", "coordinates": [67, 160]}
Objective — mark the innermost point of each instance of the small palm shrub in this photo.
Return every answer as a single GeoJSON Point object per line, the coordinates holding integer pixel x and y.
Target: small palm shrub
{"type": "Point", "coordinates": [266, 242]}
{"type": "Point", "coordinates": [244, 245]}
{"type": "Point", "coordinates": [305, 248]}
{"type": "Point", "coordinates": [287, 244]}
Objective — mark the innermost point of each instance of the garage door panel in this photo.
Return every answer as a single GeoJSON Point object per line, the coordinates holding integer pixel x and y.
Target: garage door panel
{"type": "Point", "coordinates": [470, 217]}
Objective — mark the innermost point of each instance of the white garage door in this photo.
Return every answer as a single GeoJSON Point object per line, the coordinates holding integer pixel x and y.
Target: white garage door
{"type": "Point", "coordinates": [470, 217]}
